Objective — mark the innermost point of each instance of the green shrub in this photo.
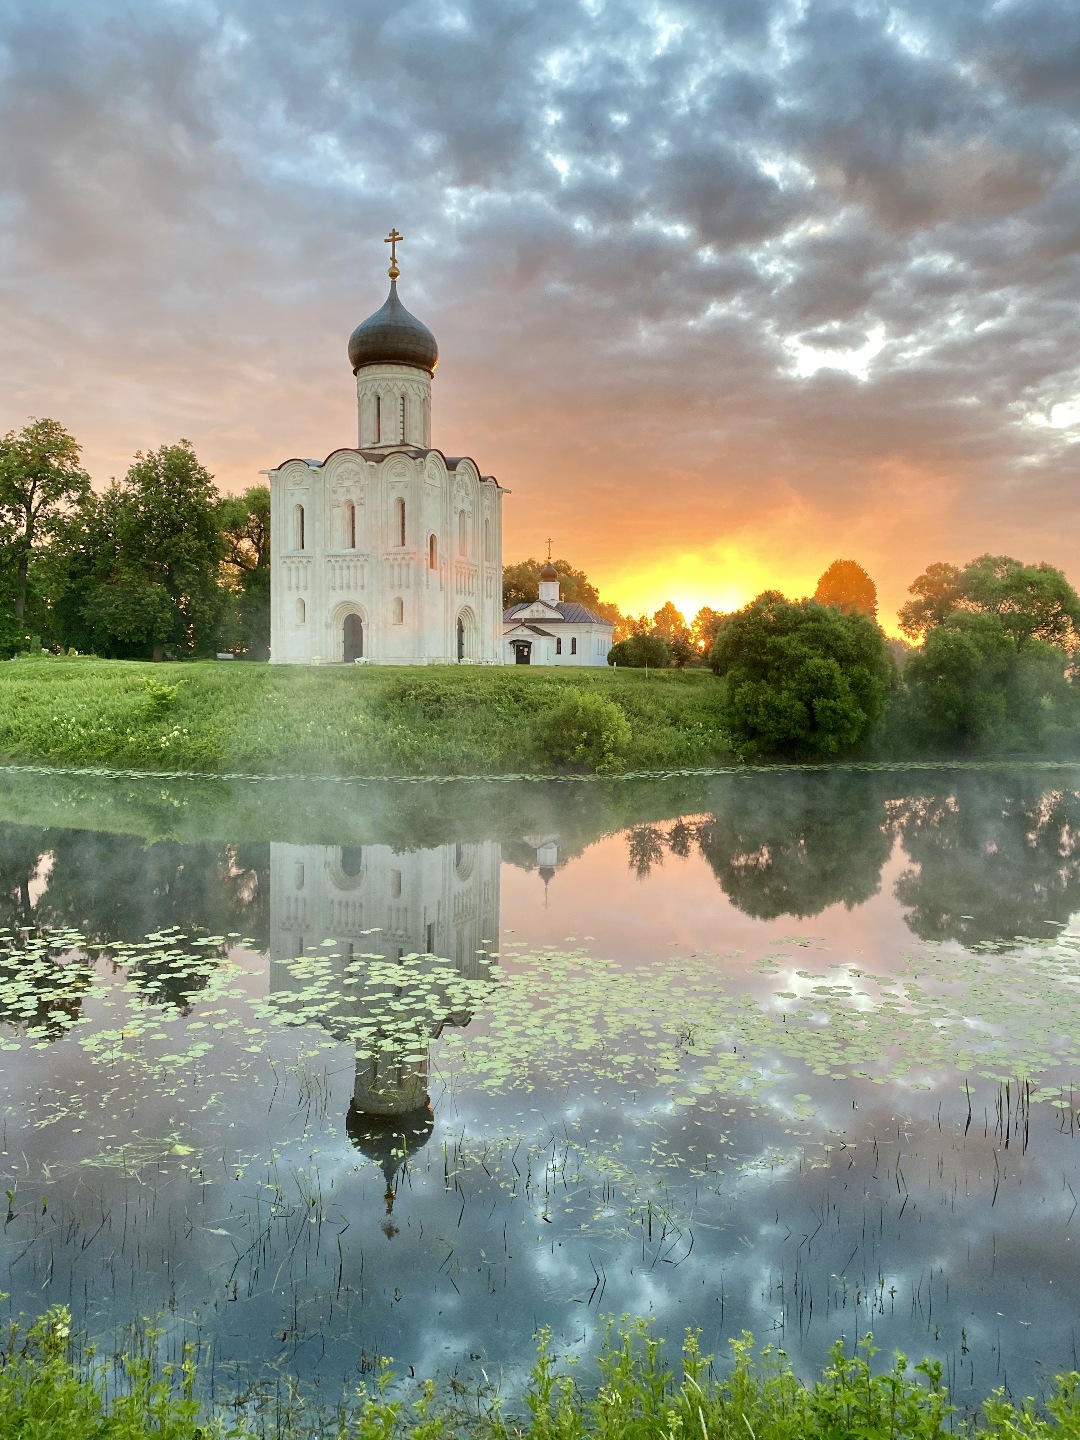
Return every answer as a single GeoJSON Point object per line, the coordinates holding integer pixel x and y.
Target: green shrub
{"type": "Point", "coordinates": [633, 1392]}
{"type": "Point", "coordinates": [584, 729]}
{"type": "Point", "coordinates": [801, 679]}
{"type": "Point", "coordinates": [642, 652]}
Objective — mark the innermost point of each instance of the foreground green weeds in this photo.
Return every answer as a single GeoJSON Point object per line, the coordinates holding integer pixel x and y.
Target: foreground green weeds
{"type": "Point", "coordinates": [633, 1394]}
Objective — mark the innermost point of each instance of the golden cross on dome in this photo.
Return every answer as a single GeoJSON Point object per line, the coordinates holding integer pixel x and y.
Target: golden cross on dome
{"type": "Point", "coordinates": [549, 549]}
{"type": "Point", "coordinates": [392, 240]}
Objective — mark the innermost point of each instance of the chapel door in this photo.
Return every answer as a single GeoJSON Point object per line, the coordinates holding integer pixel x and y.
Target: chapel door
{"type": "Point", "coordinates": [522, 652]}
{"type": "Point", "coordinates": [353, 639]}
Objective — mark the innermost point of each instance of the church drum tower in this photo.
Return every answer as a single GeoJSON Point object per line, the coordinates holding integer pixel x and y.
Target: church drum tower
{"type": "Point", "coordinates": [389, 552]}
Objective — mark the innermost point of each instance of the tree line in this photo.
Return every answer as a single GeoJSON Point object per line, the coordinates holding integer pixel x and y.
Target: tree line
{"type": "Point", "coordinates": [158, 564]}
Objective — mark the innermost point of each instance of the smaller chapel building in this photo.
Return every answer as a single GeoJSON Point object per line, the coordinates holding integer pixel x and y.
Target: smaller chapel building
{"type": "Point", "coordinates": [550, 631]}
{"type": "Point", "coordinates": [390, 551]}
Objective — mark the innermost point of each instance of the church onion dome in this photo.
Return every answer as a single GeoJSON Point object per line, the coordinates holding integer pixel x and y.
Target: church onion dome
{"type": "Point", "coordinates": [393, 337]}
{"type": "Point", "coordinates": [549, 572]}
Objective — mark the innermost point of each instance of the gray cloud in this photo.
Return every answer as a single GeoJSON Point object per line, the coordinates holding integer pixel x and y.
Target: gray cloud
{"type": "Point", "coordinates": [637, 228]}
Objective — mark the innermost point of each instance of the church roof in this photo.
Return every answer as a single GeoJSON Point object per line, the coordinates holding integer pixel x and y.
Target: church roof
{"type": "Point", "coordinates": [535, 629]}
{"type": "Point", "coordinates": [569, 610]}
{"type": "Point", "coordinates": [393, 336]}
{"type": "Point", "coordinates": [414, 452]}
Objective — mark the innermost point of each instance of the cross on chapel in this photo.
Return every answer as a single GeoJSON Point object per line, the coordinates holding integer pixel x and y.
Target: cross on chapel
{"type": "Point", "coordinates": [392, 240]}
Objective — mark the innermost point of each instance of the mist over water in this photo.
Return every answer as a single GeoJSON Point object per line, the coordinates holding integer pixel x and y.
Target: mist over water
{"type": "Point", "coordinates": [327, 1072]}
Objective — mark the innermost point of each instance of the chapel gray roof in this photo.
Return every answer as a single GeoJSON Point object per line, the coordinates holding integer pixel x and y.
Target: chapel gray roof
{"type": "Point", "coordinates": [536, 630]}
{"type": "Point", "coordinates": [393, 336]}
{"type": "Point", "coordinates": [570, 610]}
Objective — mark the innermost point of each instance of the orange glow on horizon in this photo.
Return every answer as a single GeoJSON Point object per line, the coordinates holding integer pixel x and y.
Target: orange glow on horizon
{"type": "Point", "coordinates": [725, 577]}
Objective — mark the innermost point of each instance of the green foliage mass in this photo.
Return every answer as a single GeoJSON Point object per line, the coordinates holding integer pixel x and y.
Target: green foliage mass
{"type": "Point", "coordinates": [353, 720]}
{"type": "Point", "coordinates": [639, 652]}
{"type": "Point", "coordinates": [633, 1391]}
{"type": "Point", "coordinates": [800, 678]}
{"type": "Point", "coordinates": [585, 730]}
{"type": "Point", "coordinates": [974, 685]}
{"type": "Point", "coordinates": [1032, 602]}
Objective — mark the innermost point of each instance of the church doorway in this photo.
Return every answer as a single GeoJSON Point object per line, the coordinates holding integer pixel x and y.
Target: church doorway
{"type": "Point", "coordinates": [522, 652]}
{"type": "Point", "coordinates": [353, 639]}
{"type": "Point", "coordinates": [460, 638]}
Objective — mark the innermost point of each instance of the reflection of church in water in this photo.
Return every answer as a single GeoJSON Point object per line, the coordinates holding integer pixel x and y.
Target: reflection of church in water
{"type": "Point", "coordinates": [375, 904]}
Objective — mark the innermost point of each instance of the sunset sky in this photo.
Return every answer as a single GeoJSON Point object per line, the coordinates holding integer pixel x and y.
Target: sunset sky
{"type": "Point", "coordinates": [724, 289]}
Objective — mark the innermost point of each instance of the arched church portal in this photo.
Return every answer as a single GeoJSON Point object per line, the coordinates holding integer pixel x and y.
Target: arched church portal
{"type": "Point", "coordinates": [465, 636]}
{"type": "Point", "coordinates": [352, 638]}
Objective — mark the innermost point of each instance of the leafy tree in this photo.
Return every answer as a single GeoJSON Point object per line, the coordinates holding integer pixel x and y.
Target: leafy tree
{"type": "Point", "coordinates": [1033, 602]}
{"type": "Point", "coordinates": [640, 652]}
{"type": "Point", "coordinates": [145, 560]}
{"type": "Point", "coordinates": [846, 586]}
{"type": "Point", "coordinates": [703, 628]}
{"type": "Point", "coordinates": [245, 527]}
{"type": "Point", "coordinates": [40, 480]}
{"type": "Point", "coordinates": [521, 583]}
{"type": "Point", "coordinates": [974, 684]}
{"type": "Point", "coordinates": [800, 678]}
{"type": "Point", "coordinates": [670, 624]}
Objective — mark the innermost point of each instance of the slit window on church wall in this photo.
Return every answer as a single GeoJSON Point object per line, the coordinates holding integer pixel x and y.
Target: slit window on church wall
{"type": "Point", "coordinates": [462, 540]}
{"type": "Point", "coordinates": [378, 419]}
{"type": "Point", "coordinates": [401, 420]}
{"type": "Point", "coordinates": [573, 644]}
{"type": "Point", "coordinates": [433, 553]}
{"type": "Point", "coordinates": [301, 612]}
{"type": "Point", "coordinates": [399, 522]}
{"type": "Point", "coordinates": [299, 515]}
{"type": "Point", "coordinates": [399, 610]}
{"type": "Point", "coordinates": [558, 646]}
{"type": "Point", "coordinates": [350, 526]}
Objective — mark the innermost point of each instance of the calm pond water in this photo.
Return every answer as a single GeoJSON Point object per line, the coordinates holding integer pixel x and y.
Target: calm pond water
{"type": "Point", "coordinates": [320, 1072]}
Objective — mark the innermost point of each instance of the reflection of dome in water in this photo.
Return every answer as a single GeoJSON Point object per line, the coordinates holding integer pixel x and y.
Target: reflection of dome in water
{"type": "Point", "coordinates": [388, 1140]}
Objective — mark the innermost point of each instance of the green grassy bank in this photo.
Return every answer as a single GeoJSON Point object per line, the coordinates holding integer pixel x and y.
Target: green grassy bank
{"type": "Point", "coordinates": [630, 1393]}
{"type": "Point", "coordinates": [217, 718]}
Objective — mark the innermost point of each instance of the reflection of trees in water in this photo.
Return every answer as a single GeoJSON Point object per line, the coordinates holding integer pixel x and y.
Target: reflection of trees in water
{"type": "Point", "coordinates": [790, 848]}
{"type": "Point", "coordinates": [991, 865]}
{"type": "Point", "coordinates": [116, 888]}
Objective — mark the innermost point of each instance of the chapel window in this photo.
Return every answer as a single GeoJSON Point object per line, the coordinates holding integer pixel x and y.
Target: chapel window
{"type": "Point", "coordinates": [399, 610]}
{"type": "Point", "coordinates": [433, 553]}
{"type": "Point", "coordinates": [573, 644]}
{"type": "Point", "coordinates": [399, 522]}
{"type": "Point", "coordinates": [301, 612]}
{"type": "Point", "coordinates": [558, 646]}
{"type": "Point", "coordinates": [462, 545]}
{"type": "Point", "coordinates": [299, 527]}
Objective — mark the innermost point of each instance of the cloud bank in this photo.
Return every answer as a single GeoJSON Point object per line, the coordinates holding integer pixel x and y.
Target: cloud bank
{"type": "Point", "coordinates": [723, 288]}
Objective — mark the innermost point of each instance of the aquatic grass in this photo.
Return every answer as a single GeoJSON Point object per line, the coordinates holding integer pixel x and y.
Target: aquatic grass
{"type": "Point", "coordinates": [630, 1393]}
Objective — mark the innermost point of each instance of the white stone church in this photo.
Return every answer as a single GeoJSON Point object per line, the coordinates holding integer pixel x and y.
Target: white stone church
{"type": "Point", "coordinates": [390, 552]}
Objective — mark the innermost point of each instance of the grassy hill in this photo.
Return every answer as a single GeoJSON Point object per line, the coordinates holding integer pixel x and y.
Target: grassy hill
{"type": "Point", "coordinates": [219, 718]}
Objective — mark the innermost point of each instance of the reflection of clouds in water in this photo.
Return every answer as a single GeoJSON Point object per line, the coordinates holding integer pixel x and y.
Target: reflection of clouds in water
{"type": "Point", "coordinates": [841, 1196]}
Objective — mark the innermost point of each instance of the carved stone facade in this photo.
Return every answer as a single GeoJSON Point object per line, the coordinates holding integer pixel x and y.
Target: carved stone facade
{"type": "Point", "coordinates": [389, 553]}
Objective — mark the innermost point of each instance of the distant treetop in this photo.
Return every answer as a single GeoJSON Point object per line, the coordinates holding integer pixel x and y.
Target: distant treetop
{"type": "Point", "coordinates": [846, 586]}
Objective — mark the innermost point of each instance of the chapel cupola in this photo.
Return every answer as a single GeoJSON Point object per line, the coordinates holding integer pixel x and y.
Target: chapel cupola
{"type": "Point", "coordinates": [549, 582]}
{"type": "Point", "coordinates": [393, 356]}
